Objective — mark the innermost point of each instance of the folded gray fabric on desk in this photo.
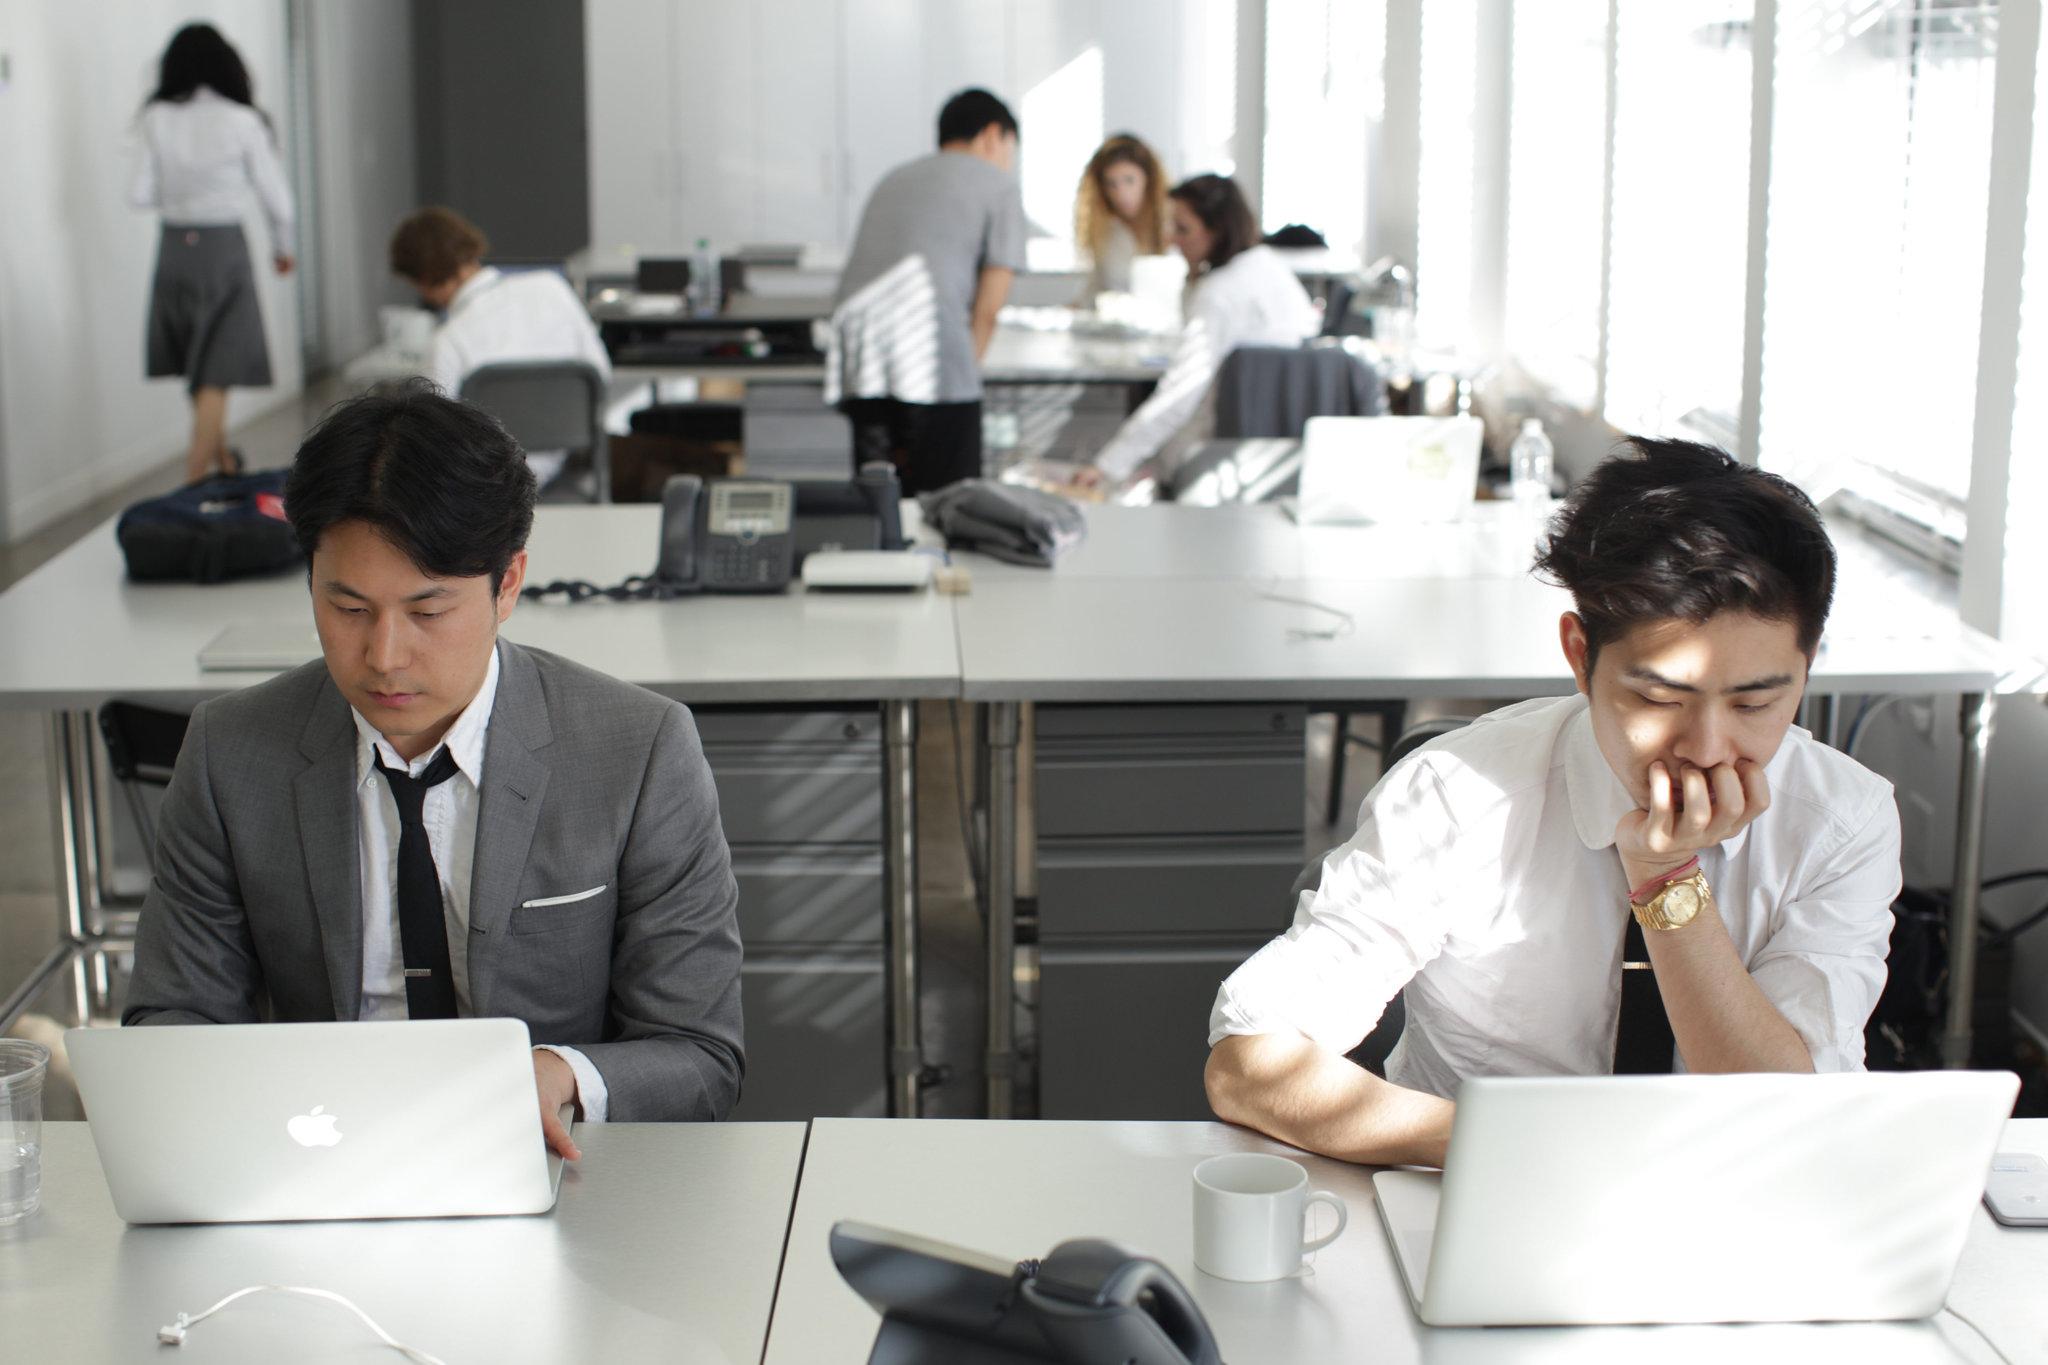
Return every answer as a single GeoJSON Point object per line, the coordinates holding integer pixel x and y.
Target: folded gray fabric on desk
{"type": "Point", "coordinates": [1020, 525]}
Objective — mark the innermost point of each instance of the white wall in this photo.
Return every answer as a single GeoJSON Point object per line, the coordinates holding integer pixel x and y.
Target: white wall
{"type": "Point", "coordinates": [76, 416]}
{"type": "Point", "coordinates": [772, 121]}
{"type": "Point", "coordinates": [364, 136]}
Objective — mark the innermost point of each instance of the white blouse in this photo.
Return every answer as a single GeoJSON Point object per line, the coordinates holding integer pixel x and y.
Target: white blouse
{"type": "Point", "coordinates": [1253, 299]}
{"type": "Point", "coordinates": [200, 157]}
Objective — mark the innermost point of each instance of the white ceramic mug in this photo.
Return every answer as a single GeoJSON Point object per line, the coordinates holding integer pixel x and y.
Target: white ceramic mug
{"type": "Point", "coordinates": [1249, 1214]}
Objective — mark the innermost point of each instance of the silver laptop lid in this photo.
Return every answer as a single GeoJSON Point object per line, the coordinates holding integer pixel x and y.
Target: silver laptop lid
{"type": "Point", "coordinates": [264, 1122]}
{"type": "Point", "coordinates": [260, 645]}
{"type": "Point", "coordinates": [1757, 1198]}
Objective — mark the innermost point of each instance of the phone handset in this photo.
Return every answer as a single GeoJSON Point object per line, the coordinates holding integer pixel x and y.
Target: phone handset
{"type": "Point", "coordinates": [681, 497]}
{"type": "Point", "coordinates": [1100, 1302]}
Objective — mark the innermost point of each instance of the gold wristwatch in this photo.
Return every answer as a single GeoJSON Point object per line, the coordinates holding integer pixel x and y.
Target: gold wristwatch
{"type": "Point", "coordinates": [1674, 904]}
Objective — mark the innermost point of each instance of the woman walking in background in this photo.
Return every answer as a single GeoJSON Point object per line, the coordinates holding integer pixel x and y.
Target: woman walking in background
{"type": "Point", "coordinates": [1119, 212]}
{"type": "Point", "coordinates": [204, 147]}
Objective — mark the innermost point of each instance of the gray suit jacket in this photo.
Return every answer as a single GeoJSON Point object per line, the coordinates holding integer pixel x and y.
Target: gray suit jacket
{"type": "Point", "coordinates": [254, 910]}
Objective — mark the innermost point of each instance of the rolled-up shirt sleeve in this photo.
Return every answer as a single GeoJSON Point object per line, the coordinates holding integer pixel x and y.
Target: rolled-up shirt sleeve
{"type": "Point", "coordinates": [1379, 915]}
{"type": "Point", "coordinates": [1823, 966]}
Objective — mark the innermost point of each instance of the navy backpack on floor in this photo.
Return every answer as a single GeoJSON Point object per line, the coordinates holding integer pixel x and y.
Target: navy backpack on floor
{"type": "Point", "coordinates": [229, 526]}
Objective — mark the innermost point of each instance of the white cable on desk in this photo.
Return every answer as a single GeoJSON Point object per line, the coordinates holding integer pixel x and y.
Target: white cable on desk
{"type": "Point", "coordinates": [1345, 620]}
{"type": "Point", "coordinates": [174, 1334]}
{"type": "Point", "coordinates": [1982, 1335]}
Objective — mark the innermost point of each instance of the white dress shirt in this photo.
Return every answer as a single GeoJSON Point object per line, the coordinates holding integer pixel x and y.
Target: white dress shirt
{"type": "Point", "coordinates": [1483, 878]}
{"type": "Point", "coordinates": [1252, 299]}
{"type": "Point", "coordinates": [449, 814]}
{"type": "Point", "coordinates": [200, 157]}
{"type": "Point", "coordinates": [524, 316]}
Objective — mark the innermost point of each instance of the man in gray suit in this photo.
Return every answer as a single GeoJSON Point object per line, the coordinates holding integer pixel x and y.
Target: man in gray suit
{"type": "Point", "coordinates": [433, 822]}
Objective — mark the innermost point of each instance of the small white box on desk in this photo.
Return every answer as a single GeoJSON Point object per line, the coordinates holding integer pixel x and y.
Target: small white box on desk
{"type": "Point", "coordinates": [867, 571]}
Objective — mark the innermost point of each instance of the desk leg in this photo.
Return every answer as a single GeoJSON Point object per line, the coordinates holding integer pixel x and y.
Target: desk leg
{"type": "Point", "coordinates": [1000, 919]}
{"type": "Point", "coordinates": [899, 877]}
{"type": "Point", "coordinates": [71, 809]}
{"type": "Point", "coordinates": [1978, 708]}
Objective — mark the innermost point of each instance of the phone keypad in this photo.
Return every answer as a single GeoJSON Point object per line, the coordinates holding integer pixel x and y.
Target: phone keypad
{"type": "Point", "coordinates": [743, 564]}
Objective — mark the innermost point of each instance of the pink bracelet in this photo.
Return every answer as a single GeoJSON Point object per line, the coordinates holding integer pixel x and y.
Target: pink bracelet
{"type": "Point", "coordinates": [1665, 878]}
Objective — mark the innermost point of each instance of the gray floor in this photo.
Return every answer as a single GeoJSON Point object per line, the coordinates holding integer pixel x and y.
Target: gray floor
{"type": "Point", "coordinates": [950, 923]}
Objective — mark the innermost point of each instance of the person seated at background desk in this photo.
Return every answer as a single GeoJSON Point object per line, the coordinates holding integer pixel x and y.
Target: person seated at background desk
{"type": "Point", "coordinates": [1240, 293]}
{"type": "Point", "coordinates": [432, 822]}
{"type": "Point", "coordinates": [491, 317]}
{"type": "Point", "coordinates": [1495, 871]}
{"type": "Point", "coordinates": [939, 243]}
{"type": "Point", "coordinates": [1119, 213]}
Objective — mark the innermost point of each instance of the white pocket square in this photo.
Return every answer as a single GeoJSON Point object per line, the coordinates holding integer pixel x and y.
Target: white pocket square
{"type": "Point", "coordinates": [569, 899]}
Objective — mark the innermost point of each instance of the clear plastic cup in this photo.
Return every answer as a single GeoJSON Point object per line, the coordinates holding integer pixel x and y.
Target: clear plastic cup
{"type": "Point", "coordinates": [22, 1067]}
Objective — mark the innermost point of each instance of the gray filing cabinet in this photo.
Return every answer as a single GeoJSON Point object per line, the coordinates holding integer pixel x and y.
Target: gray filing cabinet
{"type": "Point", "coordinates": [800, 794]}
{"type": "Point", "coordinates": [1167, 839]}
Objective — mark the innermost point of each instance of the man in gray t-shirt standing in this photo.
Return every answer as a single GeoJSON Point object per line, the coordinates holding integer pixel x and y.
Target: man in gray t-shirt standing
{"type": "Point", "coordinates": [939, 242]}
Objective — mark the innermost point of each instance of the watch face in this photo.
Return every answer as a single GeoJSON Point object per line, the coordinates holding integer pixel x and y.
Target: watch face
{"type": "Point", "coordinates": [1680, 903]}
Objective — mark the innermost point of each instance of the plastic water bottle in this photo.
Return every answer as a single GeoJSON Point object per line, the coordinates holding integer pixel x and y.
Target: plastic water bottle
{"type": "Point", "coordinates": [1529, 463]}
{"type": "Point", "coordinates": [704, 298]}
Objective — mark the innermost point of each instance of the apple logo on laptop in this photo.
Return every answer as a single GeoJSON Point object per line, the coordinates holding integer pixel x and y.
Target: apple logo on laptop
{"type": "Point", "coordinates": [315, 1129]}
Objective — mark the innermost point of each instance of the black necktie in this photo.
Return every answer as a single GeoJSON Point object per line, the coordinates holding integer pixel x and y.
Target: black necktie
{"type": "Point", "coordinates": [1642, 1042]}
{"type": "Point", "coordinates": [422, 922]}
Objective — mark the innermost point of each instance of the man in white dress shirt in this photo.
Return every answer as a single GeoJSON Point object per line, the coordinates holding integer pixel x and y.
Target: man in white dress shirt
{"type": "Point", "coordinates": [1496, 873]}
{"type": "Point", "coordinates": [491, 317]}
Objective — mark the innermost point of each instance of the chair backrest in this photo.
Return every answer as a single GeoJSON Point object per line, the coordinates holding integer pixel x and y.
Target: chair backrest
{"type": "Point", "coordinates": [1337, 310]}
{"type": "Point", "coordinates": [1272, 391]}
{"type": "Point", "coordinates": [545, 404]}
{"type": "Point", "coordinates": [142, 741]}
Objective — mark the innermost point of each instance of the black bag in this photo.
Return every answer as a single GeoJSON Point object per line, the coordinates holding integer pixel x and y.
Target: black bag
{"type": "Point", "coordinates": [229, 526]}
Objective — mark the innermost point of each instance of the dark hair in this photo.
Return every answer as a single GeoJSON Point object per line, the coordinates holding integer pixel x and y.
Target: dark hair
{"type": "Point", "coordinates": [970, 111]}
{"type": "Point", "coordinates": [1674, 530]}
{"type": "Point", "coordinates": [430, 246]}
{"type": "Point", "coordinates": [441, 480]}
{"type": "Point", "coordinates": [1220, 204]}
{"type": "Point", "coordinates": [198, 55]}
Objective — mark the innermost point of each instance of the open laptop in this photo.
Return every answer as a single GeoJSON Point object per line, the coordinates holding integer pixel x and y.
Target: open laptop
{"type": "Point", "coordinates": [235, 1123]}
{"type": "Point", "coordinates": [1672, 1199]}
{"type": "Point", "coordinates": [1389, 470]}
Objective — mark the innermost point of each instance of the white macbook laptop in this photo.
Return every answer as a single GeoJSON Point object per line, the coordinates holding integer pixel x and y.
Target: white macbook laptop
{"type": "Point", "coordinates": [235, 1123]}
{"type": "Point", "coordinates": [1670, 1199]}
{"type": "Point", "coordinates": [1389, 470]}
{"type": "Point", "coordinates": [260, 645]}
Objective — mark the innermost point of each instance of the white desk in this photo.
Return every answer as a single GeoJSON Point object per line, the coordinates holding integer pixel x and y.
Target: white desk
{"type": "Point", "coordinates": [665, 1245]}
{"type": "Point", "coordinates": [77, 633]}
{"type": "Point", "coordinates": [1015, 1190]}
{"type": "Point", "coordinates": [1174, 604]}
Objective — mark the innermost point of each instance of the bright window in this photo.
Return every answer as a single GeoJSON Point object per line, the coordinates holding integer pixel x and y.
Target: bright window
{"type": "Point", "coordinates": [1556, 148]}
{"type": "Point", "coordinates": [1880, 169]}
{"type": "Point", "coordinates": [1443, 269]}
{"type": "Point", "coordinates": [1681, 194]}
{"type": "Point", "coordinates": [1323, 62]}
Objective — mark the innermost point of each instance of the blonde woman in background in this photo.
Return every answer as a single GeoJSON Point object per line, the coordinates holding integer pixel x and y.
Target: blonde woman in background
{"type": "Point", "coordinates": [205, 148]}
{"type": "Point", "coordinates": [1119, 212]}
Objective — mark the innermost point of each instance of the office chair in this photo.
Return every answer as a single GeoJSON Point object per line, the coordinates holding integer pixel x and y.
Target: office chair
{"type": "Point", "coordinates": [548, 405]}
{"type": "Point", "coordinates": [1372, 1052]}
{"type": "Point", "coordinates": [1272, 391]}
{"type": "Point", "coordinates": [142, 748]}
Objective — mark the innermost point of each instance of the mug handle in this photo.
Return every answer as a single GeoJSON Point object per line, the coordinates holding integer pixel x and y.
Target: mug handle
{"type": "Point", "coordinates": [1343, 1216]}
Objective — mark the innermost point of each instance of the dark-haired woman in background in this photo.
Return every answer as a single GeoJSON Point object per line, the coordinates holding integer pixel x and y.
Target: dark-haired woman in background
{"type": "Point", "coordinates": [1119, 212]}
{"type": "Point", "coordinates": [205, 146]}
{"type": "Point", "coordinates": [1240, 293]}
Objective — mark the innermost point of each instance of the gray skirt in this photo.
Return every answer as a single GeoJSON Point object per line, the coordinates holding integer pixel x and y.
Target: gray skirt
{"type": "Point", "coordinates": [204, 323]}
